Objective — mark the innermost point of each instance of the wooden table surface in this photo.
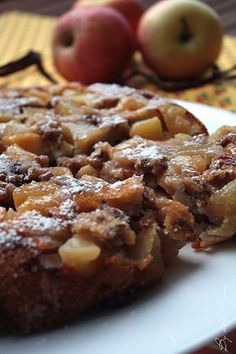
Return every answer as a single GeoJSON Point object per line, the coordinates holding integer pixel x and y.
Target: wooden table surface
{"type": "Point", "coordinates": [225, 8]}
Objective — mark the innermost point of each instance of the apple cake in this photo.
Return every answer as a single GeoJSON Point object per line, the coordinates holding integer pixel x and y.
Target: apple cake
{"type": "Point", "coordinates": [100, 186]}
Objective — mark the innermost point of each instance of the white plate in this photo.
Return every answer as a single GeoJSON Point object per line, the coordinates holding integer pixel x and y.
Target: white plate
{"type": "Point", "coordinates": [193, 304]}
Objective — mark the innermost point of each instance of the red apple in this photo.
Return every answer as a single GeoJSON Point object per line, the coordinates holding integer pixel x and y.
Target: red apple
{"type": "Point", "coordinates": [132, 10]}
{"type": "Point", "coordinates": [92, 44]}
{"type": "Point", "coordinates": [180, 39]}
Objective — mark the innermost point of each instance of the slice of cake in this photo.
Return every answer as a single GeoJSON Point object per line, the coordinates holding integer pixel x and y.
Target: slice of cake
{"type": "Point", "coordinates": [100, 186]}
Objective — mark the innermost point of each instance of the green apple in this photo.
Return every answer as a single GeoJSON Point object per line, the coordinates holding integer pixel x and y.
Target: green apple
{"type": "Point", "coordinates": [180, 39]}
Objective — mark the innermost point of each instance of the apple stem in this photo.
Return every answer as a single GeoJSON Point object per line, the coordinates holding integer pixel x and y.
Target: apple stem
{"type": "Point", "coordinates": [215, 76]}
{"type": "Point", "coordinates": [31, 58]}
{"type": "Point", "coordinates": [186, 34]}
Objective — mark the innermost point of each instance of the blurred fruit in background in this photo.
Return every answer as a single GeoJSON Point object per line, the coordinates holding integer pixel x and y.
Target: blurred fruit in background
{"type": "Point", "coordinates": [92, 44]}
{"type": "Point", "coordinates": [180, 39]}
{"type": "Point", "coordinates": [132, 10]}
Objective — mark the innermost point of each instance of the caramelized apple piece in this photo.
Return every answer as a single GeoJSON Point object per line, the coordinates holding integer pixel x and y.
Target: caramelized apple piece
{"type": "Point", "coordinates": [84, 132]}
{"type": "Point", "coordinates": [78, 252]}
{"type": "Point", "coordinates": [18, 154]}
{"type": "Point", "coordinates": [15, 133]}
{"type": "Point", "coordinates": [142, 114]}
{"type": "Point", "coordinates": [87, 170]}
{"type": "Point", "coordinates": [33, 190]}
{"type": "Point", "coordinates": [185, 164]}
{"type": "Point", "coordinates": [41, 204]}
{"type": "Point", "coordinates": [29, 141]}
{"type": "Point", "coordinates": [178, 120]}
{"type": "Point", "coordinates": [222, 204]}
{"type": "Point", "coordinates": [39, 93]}
{"type": "Point", "coordinates": [49, 194]}
{"type": "Point", "coordinates": [88, 193]}
{"type": "Point", "coordinates": [145, 241]}
{"type": "Point", "coordinates": [131, 103]}
{"type": "Point", "coordinates": [149, 129]}
{"type": "Point", "coordinates": [60, 171]}
{"type": "Point", "coordinates": [216, 234]}
{"type": "Point", "coordinates": [70, 104]}
{"type": "Point", "coordinates": [126, 195]}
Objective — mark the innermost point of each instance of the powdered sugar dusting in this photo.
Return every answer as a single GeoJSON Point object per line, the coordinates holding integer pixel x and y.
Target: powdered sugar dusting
{"type": "Point", "coordinates": [71, 186]}
{"type": "Point", "coordinates": [143, 152]}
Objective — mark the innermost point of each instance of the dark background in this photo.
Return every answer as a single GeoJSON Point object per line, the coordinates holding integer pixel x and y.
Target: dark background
{"type": "Point", "coordinates": [225, 8]}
